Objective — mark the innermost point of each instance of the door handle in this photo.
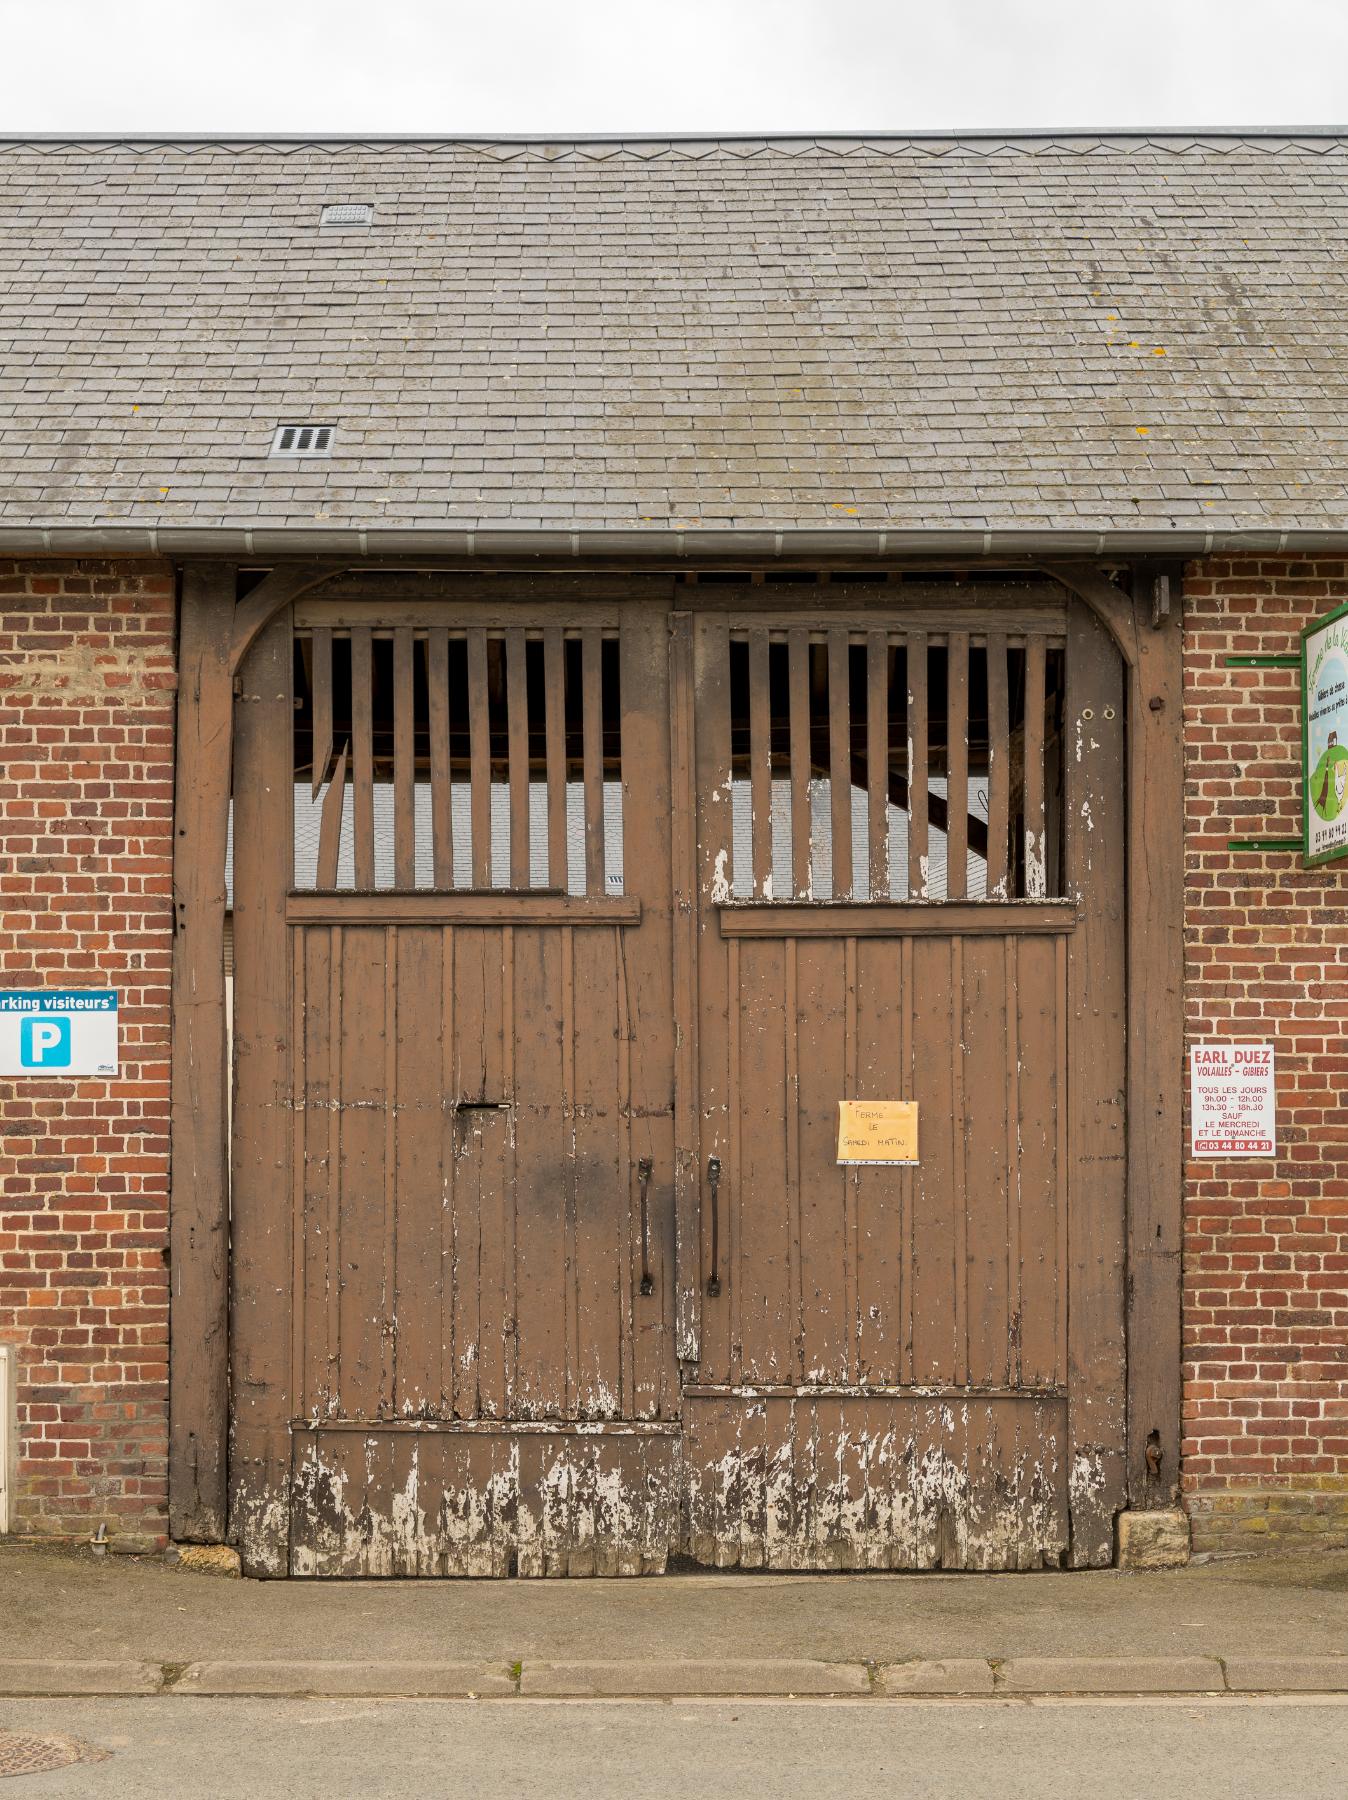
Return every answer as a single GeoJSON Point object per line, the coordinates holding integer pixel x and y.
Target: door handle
{"type": "Point", "coordinates": [644, 1168]}
{"type": "Point", "coordinates": [714, 1183]}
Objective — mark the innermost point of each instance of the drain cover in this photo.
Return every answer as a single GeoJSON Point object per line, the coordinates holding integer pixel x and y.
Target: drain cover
{"type": "Point", "coordinates": [28, 1753]}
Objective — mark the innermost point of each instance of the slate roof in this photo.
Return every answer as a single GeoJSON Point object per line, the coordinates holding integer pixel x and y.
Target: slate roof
{"type": "Point", "coordinates": [906, 335]}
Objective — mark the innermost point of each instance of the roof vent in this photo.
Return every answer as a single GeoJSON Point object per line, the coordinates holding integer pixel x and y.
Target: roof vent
{"type": "Point", "coordinates": [346, 216]}
{"type": "Point", "coordinates": [302, 440]}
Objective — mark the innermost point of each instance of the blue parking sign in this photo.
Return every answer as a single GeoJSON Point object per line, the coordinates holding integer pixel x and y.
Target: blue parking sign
{"type": "Point", "coordinates": [44, 1042]}
{"type": "Point", "coordinates": [59, 1032]}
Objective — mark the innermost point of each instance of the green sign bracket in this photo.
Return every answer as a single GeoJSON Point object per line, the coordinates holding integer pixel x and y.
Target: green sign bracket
{"type": "Point", "coordinates": [1269, 843]}
{"type": "Point", "coordinates": [1263, 662]}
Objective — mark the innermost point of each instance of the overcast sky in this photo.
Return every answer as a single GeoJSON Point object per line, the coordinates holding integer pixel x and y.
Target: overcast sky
{"type": "Point", "coordinates": [445, 67]}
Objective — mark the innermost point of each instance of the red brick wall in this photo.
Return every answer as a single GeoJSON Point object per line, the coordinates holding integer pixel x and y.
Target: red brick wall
{"type": "Point", "coordinates": [1266, 1243]}
{"type": "Point", "coordinates": [86, 792]}
{"type": "Point", "coordinates": [86, 752]}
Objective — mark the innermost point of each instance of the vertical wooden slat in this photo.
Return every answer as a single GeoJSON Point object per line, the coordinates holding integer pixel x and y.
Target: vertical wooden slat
{"type": "Point", "coordinates": [957, 766]}
{"type": "Point", "coordinates": [321, 692]}
{"type": "Point", "coordinates": [999, 767]}
{"type": "Point", "coordinates": [261, 1247]}
{"type": "Point", "coordinates": [1097, 1144]}
{"type": "Point", "coordinates": [362, 759]}
{"type": "Point", "coordinates": [404, 763]}
{"type": "Point", "coordinates": [592, 717]}
{"type": "Point", "coordinates": [686, 914]}
{"type": "Point", "coordinates": [877, 760]}
{"type": "Point", "coordinates": [760, 764]}
{"type": "Point", "coordinates": [554, 731]}
{"type": "Point", "coordinates": [959, 1162]}
{"type": "Point", "coordinates": [1036, 867]}
{"type": "Point", "coordinates": [479, 757]}
{"type": "Point", "coordinates": [517, 735]}
{"type": "Point", "coordinates": [794, 1321]}
{"type": "Point", "coordinates": [840, 761]}
{"type": "Point", "coordinates": [330, 825]}
{"type": "Point", "coordinates": [711, 687]}
{"type": "Point", "coordinates": [916, 675]}
{"type": "Point", "coordinates": [646, 957]}
{"type": "Point", "coordinates": [388, 1257]}
{"type": "Point", "coordinates": [199, 1388]}
{"type": "Point", "coordinates": [798, 682]}
{"type": "Point", "coordinates": [442, 791]}
{"type": "Point", "coordinates": [334, 1174]}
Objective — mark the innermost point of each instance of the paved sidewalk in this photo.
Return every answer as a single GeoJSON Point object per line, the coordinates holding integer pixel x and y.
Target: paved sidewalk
{"type": "Point", "coordinates": [74, 1624]}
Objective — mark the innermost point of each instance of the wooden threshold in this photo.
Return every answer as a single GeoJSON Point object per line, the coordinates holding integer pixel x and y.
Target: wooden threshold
{"type": "Point", "coordinates": [785, 1391]}
{"type": "Point", "coordinates": [897, 918]}
{"type": "Point", "coordinates": [495, 1427]}
{"type": "Point", "coordinates": [460, 909]}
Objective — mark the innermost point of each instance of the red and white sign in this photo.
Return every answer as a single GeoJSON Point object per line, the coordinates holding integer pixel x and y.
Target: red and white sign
{"type": "Point", "coordinates": [1232, 1104]}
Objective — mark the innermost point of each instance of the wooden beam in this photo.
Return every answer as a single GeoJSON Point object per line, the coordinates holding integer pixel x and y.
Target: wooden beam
{"type": "Point", "coordinates": [1155, 881]}
{"type": "Point", "coordinates": [199, 1202]}
{"type": "Point", "coordinates": [261, 604]}
{"type": "Point", "coordinates": [898, 919]}
{"type": "Point", "coordinates": [495, 909]}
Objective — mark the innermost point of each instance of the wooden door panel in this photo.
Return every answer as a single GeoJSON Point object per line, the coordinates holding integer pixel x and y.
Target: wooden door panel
{"type": "Point", "coordinates": [490, 1500]}
{"type": "Point", "coordinates": [463, 1080]}
{"type": "Point", "coordinates": [875, 1481]}
{"type": "Point", "coordinates": [940, 760]}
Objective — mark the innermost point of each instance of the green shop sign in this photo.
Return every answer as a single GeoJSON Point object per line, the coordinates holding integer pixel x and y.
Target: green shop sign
{"type": "Point", "coordinates": [1324, 738]}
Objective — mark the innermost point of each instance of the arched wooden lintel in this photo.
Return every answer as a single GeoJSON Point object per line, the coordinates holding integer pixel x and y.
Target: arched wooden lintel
{"type": "Point", "coordinates": [216, 632]}
{"type": "Point", "coordinates": [1150, 642]}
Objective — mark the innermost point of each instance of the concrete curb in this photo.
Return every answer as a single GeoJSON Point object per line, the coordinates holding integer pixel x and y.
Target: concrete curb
{"type": "Point", "coordinates": [751, 1676]}
{"type": "Point", "coordinates": [415, 1680]}
{"type": "Point", "coordinates": [1110, 1675]}
{"type": "Point", "coordinates": [34, 1678]}
{"type": "Point", "coordinates": [1287, 1674]}
{"type": "Point", "coordinates": [970, 1677]}
{"type": "Point", "coordinates": [954, 1675]}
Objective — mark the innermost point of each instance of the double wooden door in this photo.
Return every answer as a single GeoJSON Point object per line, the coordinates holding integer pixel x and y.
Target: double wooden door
{"type": "Point", "coordinates": [559, 938]}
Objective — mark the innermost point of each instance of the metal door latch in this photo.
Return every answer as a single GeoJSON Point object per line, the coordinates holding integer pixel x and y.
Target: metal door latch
{"type": "Point", "coordinates": [644, 1168]}
{"type": "Point", "coordinates": [714, 1182]}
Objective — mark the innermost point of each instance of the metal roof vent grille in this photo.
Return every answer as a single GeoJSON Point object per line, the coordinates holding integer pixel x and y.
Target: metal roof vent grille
{"type": "Point", "coordinates": [347, 216]}
{"type": "Point", "coordinates": [302, 440]}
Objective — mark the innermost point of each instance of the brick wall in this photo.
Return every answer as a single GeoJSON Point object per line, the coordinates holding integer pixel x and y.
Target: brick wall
{"type": "Point", "coordinates": [86, 678]}
{"type": "Point", "coordinates": [86, 790]}
{"type": "Point", "coordinates": [1265, 1454]}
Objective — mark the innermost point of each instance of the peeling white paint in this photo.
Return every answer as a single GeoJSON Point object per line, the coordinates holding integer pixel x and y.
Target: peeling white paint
{"type": "Point", "coordinates": [1036, 866]}
{"type": "Point", "coordinates": [720, 884]}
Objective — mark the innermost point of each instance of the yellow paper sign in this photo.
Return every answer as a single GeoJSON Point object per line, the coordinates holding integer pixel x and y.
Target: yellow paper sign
{"type": "Point", "coordinates": [877, 1131]}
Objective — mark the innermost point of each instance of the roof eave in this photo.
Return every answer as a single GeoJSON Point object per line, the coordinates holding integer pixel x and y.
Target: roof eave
{"type": "Point", "coordinates": [752, 544]}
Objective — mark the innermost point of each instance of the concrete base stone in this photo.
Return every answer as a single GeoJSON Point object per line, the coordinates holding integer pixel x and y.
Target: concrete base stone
{"type": "Point", "coordinates": [750, 1676]}
{"type": "Point", "coordinates": [1110, 1675]}
{"type": "Point", "coordinates": [204, 1559]}
{"type": "Point", "coordinates": [1153, 1540]}
{"type": "Point", "coordinates": [1287, 1674]}
{"type": "Point", "coordinates": [44, 1677]}
{"type": "Point", "coordinates": [411, 1680]}
{"type": "Point", "coordinates": [957, 1675]}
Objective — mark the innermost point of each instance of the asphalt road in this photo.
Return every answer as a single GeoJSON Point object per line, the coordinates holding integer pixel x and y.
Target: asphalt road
{"type": "Point", "coordinates": [711, 1750]}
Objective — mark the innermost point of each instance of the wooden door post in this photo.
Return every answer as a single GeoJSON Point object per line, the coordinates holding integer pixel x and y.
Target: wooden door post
{"type": "Point", "coordinates": [199, 1206]}
{"type": "Point", "coordinates": [1146, 626]}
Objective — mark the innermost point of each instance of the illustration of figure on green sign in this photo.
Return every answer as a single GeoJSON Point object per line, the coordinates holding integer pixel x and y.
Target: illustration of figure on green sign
{"type": "Point", "coordinates": [1324, 723]}
{"type": "Point", "coordinates": [1329, 782]}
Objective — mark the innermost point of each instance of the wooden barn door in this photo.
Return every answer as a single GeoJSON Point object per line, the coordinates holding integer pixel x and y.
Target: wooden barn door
{"type": "Point", "coordinates": [453, 1139]}
{"type": "Point", "coordinates": [909, 886]}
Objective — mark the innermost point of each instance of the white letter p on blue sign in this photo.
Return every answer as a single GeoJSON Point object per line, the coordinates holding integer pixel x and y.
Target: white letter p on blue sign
{"type": "Point", "coordinates": [44, 1043]}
